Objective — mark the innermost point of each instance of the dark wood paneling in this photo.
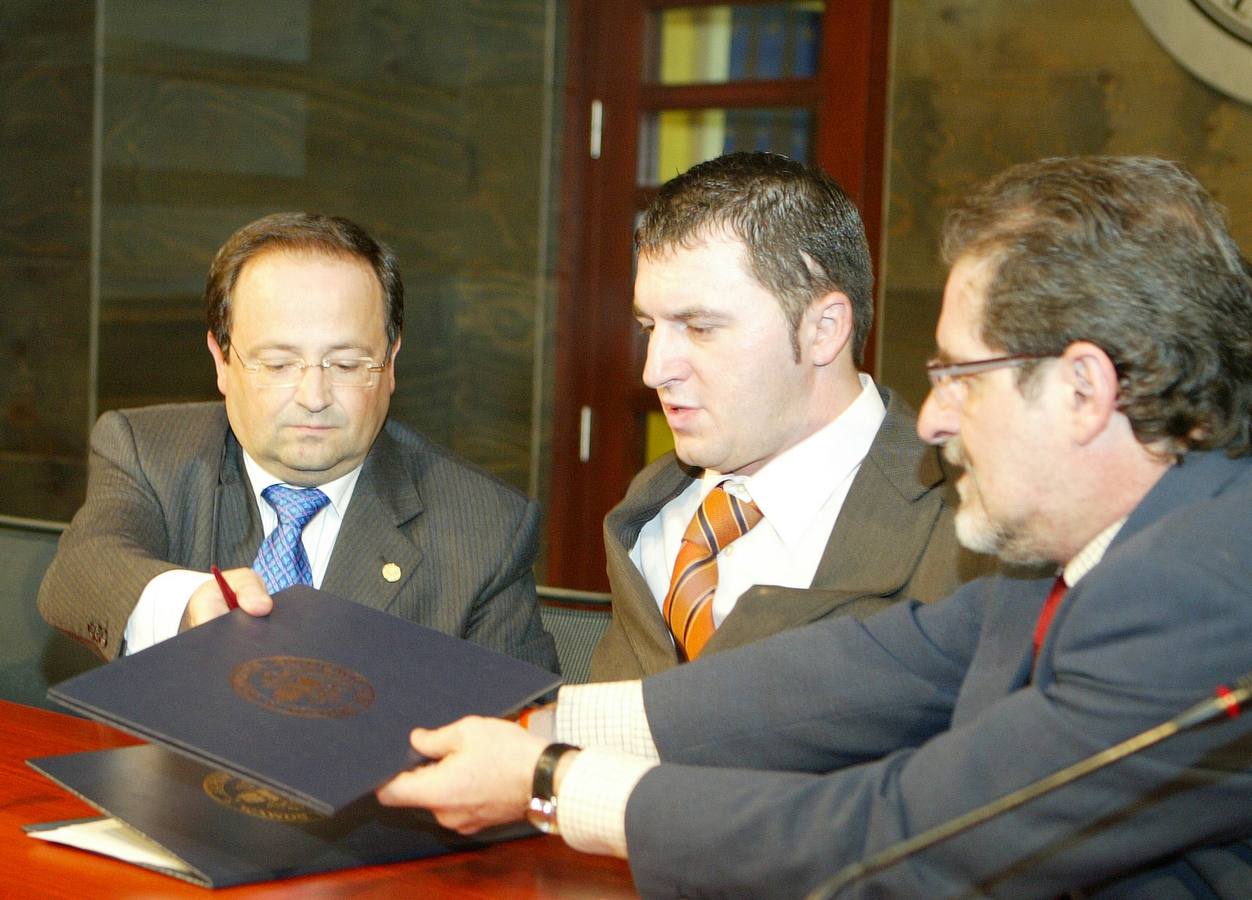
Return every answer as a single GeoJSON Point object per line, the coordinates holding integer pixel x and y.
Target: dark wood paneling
{"type": "Point", "coordinates": [422, 120]}
{"type": "Point", "coordinates": [45, 218]}
{"type": "Point", "coordinates": [979, 86]}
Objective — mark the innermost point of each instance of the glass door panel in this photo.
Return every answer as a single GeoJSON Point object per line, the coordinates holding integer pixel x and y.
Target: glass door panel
{"type": "Point", "coordinates": [673, 140]}
{"type": "Point", "coordinates": [734, 42]}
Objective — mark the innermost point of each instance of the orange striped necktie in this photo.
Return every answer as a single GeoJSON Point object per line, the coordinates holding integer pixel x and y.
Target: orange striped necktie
{"type": "Point", "coordinates": [688, 609]}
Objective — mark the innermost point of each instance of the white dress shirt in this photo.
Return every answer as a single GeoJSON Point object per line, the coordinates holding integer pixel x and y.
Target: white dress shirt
{"type": "Point", "coordinates": [610, 722]}
{"type": "Point", "coordinates": [164, 600]}
{"type": "Point", "coordinates": [800, 493]}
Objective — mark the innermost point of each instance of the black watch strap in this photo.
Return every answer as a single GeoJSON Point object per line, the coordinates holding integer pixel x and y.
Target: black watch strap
{"type": "Point", "coordinates": [542, 810]}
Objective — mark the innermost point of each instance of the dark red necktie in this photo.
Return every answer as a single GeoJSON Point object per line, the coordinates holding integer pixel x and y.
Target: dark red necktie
{"type": "Point", "coordinates": [1059, 587]}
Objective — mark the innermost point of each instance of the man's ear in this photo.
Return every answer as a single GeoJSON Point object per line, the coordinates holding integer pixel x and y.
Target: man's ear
{"type": "Point", "coordinates": [389, 373]}
{"type": "Point", "coordinates": [219, 363]}
{"type": "Point", "coordinates": [1089, 380]}
{"type": "Point", "coordinates": [831, 318]}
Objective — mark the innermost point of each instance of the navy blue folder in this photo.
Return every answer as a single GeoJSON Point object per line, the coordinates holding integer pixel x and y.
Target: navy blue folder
{"type": "Point", "coordinates": [231, 833]}
{"type": "Point", "coordinates": [315, 701]}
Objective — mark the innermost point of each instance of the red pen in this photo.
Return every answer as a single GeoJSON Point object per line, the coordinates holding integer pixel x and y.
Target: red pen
{"type": "Point", "coordinates": [232, 602]}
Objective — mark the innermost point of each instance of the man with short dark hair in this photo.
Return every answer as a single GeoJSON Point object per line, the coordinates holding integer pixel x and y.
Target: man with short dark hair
{"type": "Point", "coordinates": [1095, 378]}
{"type": "Point", "coordinates": [755, 288]}
{"type": "Point", "coordinates": [299, 477]}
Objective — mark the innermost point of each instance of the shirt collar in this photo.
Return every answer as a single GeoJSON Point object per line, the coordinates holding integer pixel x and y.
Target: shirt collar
{"type": "Point", "coordinates": [1089, 556]}
{"type": "Point", "coordinates": [338, 491]}
{"type": "Point", "coordinates": [792, 487]}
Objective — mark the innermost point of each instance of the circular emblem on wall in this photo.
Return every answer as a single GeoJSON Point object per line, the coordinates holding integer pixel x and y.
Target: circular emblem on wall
{"type": "Point", "coordinates": [298, 686]}
{"type": "Point", "coordinates": [1212, 39]}
{"type": "Point", "coordinates": [254, 800]}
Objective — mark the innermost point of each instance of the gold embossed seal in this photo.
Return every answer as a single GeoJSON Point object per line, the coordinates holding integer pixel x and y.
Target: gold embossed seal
{"type": "Point", "coordinates": [254, 800]}
{"type": "Point", "coordinates": [299, 686]}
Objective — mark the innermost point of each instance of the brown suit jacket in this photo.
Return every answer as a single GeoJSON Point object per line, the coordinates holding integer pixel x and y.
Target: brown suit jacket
{"type": "Point", "coordinates": [893, 539]}
{"type": "Point", "coordinates": [167, 489]}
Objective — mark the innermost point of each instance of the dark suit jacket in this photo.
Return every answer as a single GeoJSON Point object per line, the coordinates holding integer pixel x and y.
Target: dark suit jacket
{"type": "Point", "coordinates": [877, 730]}
{"type": "Point", "coordinates": [893, 538]}
{"type": "Point", "coordinates": [167, 489]}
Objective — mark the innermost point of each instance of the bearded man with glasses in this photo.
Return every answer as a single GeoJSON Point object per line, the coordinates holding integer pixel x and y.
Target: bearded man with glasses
{"type": "Point", "coordinates": [1095, 381]}
{"type": "Point", "coordinates": [299, 477]}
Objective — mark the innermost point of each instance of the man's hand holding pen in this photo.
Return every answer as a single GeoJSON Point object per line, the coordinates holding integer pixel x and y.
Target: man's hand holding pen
{"type": "Point", "coordinates": [242, 588]}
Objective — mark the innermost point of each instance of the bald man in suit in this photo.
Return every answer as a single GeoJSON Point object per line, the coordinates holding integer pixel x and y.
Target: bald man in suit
{"type": "Point", "coordinates": [305, 314]}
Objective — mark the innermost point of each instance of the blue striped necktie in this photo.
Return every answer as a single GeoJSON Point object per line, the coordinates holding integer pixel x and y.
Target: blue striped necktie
{"type": "Point", "coordinates": [281, 561]}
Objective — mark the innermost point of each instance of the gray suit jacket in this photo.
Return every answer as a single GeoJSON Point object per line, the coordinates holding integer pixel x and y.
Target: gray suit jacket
{"type": "Point", "coordinates": [893, 538]}
{"type": "Point", "coordinates": [824, 745]}
{"type": "Point", "coordinates": [167, 489]}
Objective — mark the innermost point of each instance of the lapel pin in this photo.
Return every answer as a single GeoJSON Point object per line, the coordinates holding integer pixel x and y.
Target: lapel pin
{"type": "Point", "coordinates": [391, 572]}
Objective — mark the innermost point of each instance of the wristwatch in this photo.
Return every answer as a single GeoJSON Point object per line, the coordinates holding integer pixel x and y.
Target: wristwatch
{"type": "Point", "coordinates": [542, 809]}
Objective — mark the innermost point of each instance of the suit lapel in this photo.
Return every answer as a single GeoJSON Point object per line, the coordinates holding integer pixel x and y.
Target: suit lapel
{"type": "Point", "coordinates": [887, 506]}
{"type": "Point", "coordinates": [1005, 653]}
{"type": "Point", "coordinates": [768, 608]}
{"type": "Point", "coordinates": [882, 509]}
{"type": "Point", "coordinates": [653, 488]}
{"type": "Point", "coordinates": [237, 524]}
{"type": "Point", "coordinates": [373, 547]}
{"type": "Point", "coordinates": [1199, 476]}
{"type": "Point", "coordinates": [633, 600]}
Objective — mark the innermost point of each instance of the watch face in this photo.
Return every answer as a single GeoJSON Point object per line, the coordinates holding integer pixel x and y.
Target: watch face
{"type": "Point", "coordinates": [542, 814]}
{"type": "Point", "coordinates": [1233, 15]}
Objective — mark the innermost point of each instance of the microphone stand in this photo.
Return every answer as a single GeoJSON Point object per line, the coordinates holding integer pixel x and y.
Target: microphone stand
{"type": "Point", "coordinates": [1227, 702]}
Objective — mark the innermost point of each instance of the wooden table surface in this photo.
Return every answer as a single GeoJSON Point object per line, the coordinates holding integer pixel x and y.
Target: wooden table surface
{"type": "Point", "coordinates": [537, 867]}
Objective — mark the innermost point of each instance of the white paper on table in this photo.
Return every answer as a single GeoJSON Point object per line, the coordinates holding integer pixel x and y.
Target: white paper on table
{"type": "Point", "coordinates": [110, 837]}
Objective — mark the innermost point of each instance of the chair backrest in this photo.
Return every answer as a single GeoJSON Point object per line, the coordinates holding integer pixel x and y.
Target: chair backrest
{"type": "Point", "coordinates": [576, 620]}
{"type": "Point", "coordinates": [32, 654]}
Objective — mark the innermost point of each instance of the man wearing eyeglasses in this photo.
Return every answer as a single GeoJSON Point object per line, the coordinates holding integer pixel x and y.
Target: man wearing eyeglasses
{"type": "Point", "coordinates": [1095, 379]}
{"type": "Point", "coordinates": [299, 477]}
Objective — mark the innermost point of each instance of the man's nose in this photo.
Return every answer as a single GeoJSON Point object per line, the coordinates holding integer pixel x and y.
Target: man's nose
{"type": "Point", "coordinates": [313, 391]}
{"type": "Point", "coordinates": [664, 362]}
{"type": "Point", "coordinates": [938, 422]}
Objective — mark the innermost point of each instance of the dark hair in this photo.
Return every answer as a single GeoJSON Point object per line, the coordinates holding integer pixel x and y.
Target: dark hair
{"type": "Point", "coordinates": [803, 234]}
{"type": "Point", "coordinates": [1131, 254]}
{"type": "Point", "coordinates": [300, 233]}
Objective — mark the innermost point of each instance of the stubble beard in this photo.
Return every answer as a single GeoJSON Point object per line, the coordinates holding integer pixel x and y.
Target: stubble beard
{"type": "Point", "coordinates": [978, 531]}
